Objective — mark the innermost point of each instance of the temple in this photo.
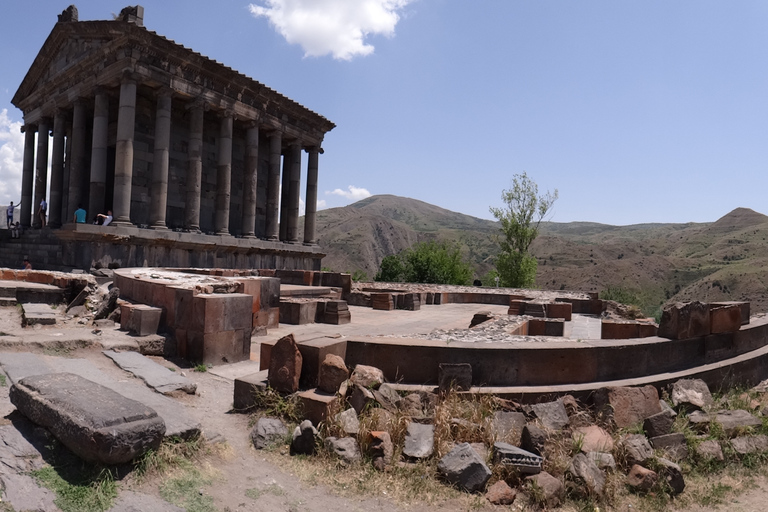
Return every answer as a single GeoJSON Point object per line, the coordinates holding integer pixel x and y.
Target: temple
{"type": "Point", "coordinates": [200, 164]}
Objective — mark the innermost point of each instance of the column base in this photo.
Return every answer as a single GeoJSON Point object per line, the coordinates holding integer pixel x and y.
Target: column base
{"type": "Point", "coordinates": [222, 233]}
{"type": "Point", "coordinates": [310, 244]}
{"type": "Point", "coordinates": [122, 224]}
{"type": "Point", "coordinates": [249, 236]}
{"type": "Point", "coordinates": [160, 227]}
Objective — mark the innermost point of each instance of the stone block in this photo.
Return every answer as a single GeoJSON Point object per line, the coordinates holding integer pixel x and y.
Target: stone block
{"type": "Point", "coordinates": [245, 389]}
{"type": "Point", "coordinates": [682, 321]}
{"type": "Point", "coordinates": [617, 330]}
{"type": "Point", "coordinates": [674, 445]}
{"type": "Point", "coordinates": [252, 287]}
{"type": "Point", "coordinates": [552, 414]}
{"type": "Point", "coordinates": [647, 330]}
{"type": "Point", "coordinates": [313, 353]}
{"type": "Point", "coordinates": [285, 365]}
{"type": "Point", "coordinates": [181, 343]}
{"type": "Point", "coordinates": [454, 375]}
{"type": "Point", "coordinates": [419, 441]}
{"type": "Point", "coordinates": [744, 306]}
{"type": "Point", "coordinates": [691, 394]}
{"type": "Point", "coordinates": [725, 318]}
{"type": "Point", "coordinates": [508, 426]}
{"type": "Point", "coordinates": [332, 373]}
{"type": "Point", "coordinates": [182, 305]}
{"type": "Point", "coordinates": [318, 406]}
{"type": "Point", "coordinates": [298, 312]}
{"type": "Point", "coordinates": [270, 292]}
{"type": "Point", "coordinates": [562, 310]}
{"type": "Point", "coordinates": [96, 423]}
{"type": "Point", "coordinates": [536, 327]}
{"type": "Point", "coordinates": [463, 467]}
{"type": "Point", "coordinates": [627, 406]}
{"type": "Point", "coordinates": [221, 347]}
{"type": "Point", "coordinates": [144, 320]}
{"type": "Point", "coordinates": [217, 312]}
{"type": "Point", "coordinates": [382, 301]}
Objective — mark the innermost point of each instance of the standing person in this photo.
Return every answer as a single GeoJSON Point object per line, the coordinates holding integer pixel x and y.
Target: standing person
{"type": "Point", "coordinates": [27, 265]}
{"type": "Point", "coordinates": [16, 230]}
{"type": "Point", "coordinates": [80, 215]}
{"type": "Point", "coordinates": [9, 214]}
{"type": "Point", "coordinates": [41, 212]}
{"type": "Point", "coordinates": [107, 218]}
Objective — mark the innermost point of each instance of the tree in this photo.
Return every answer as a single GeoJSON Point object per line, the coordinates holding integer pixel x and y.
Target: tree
{"type": "Point", "coordinates": [520, 218]}
{"type": "Point", "coordinates": [426, 262]}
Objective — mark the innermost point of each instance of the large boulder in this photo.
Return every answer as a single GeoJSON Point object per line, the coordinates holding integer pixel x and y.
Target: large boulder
{"type": "Point", "coordinates": [96, 423]}
{"type": "Point", "coordinates": [333, 371]}
{"type": "Point", "coordinates": [285, 365]}
{"type": "Point", "coordinates": [462, 466]}
{"type": "Point", "coordinates": [691, 394]}
{"type": "Point", "coordinates": [627, 406]}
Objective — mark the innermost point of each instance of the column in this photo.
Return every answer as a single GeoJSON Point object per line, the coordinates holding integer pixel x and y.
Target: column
{"type": "Point", "coordinates": [294, 194]}
{"type": "Point", "coordinates": [285, 188]}
{"type": "Point", "coordinates": [311, 206]}
{"type": "Point", "coordinates": [159, 195]}
{"type": "Point", "coordinates": [57, 170]}
{"type": "Point", "coordinates": [126, 121]}
{"type": "Point", "coordinates": [77, 165]}
{"type": "Point", "coordinates": [65, 179]}
{"type": "Point", "coordinates": [194, 167]}
{"type": "Point", "coordinates": [249, 180]}
{"type": "Point", "coordinates": [27, 176]}
{"type": "Point", "coordinates": [98, 187]}
{"type": "Point", "coordinates": [224, 175]}
{"type": "Point", "coordinates": [41, 176]}
{"type": "Point", "coordinates": [273, 184]}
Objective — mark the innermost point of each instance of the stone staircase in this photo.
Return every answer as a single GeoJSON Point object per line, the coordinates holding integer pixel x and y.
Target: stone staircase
{"type": "Point", "coordinates": [41, 247]}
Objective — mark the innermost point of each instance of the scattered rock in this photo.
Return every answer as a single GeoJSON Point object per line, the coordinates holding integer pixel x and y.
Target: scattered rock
{"type": "Point", "coordinates": [285, 365]}
{"type": "Point", "coordinates": [525, 462]}
{"type": "Point", "coordinates": [380, 449]}
{"type": "Point", "coordinates": [411, 405]}
{"type": "Point", "coordinates": [501, 493]}
{"type": "Point", "coordinates": [268, 431]}
{"type": "Point", "coordinates": [481, 450]}
{"type": "Point", "coordinates": [641, 478]}
{"type": "Point", "coordinates": [602, 460]}
{"type": "Point", "coordinates": [332, 373]}
{"type": "Point", "coordinates": [637, 449]}
{"type": "Point", "coordinates": [710, 450]}
{"type": "Point", "coordinates": [367, 376]}
{"type": "Point", "coordinates": [387, 397]}
{"type": "Point", "coordinates": [546, 488]}
{"type": "Point", "coordinates": [349, 421]}
{"type": "Point", "coordinates": [733, 421]}
{"type": "Point", "coordinates": [381, 419]}
{"type": "Point", "coordinates": [660, 423]}
{"type": "Point", "coordinates": [508, 426]}
{"type": "Point", "coordinates": [457, 376]}
{"type": "Point", "coordinates": [691, 394]}
{"type": "Point", "coordinates": [304, 439]}
{"type": "Point", "coordinates": [593, 439]}
{"type": "Point", "coordinates": [750, 444]}
{"type": "Point", "coordinates": [552, 414]}
{"type": "Point", "coordinates": [419, 440]}
{"type": "Point", "coordinates": [700, 419]}
{"type": "Point", "coordinates": [108, 304]}
{"type": "Point", "coordinates": [673, 445]}
{"type": "Point", "coordinates": [533, 439]}
{"type": "Point", "coordinates": [359, 398]}
{"type": "Point", "coordinates": [345, 448]}
{"type": "Point", "coordinates": [585, 471]}
{"type": "Point", "coordinates": [463, 467]}
{"type": "Point", "coordinates": [672, 473]}
{"type": "Point", "coordinates": [627, 406]}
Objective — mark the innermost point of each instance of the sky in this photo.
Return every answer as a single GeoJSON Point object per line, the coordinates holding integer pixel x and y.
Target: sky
{"type": "Point", "coordinates": [635, 111]}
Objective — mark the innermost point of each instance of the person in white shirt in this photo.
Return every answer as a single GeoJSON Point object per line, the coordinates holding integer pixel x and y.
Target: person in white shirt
{"type": "Point", "coordinates": [9, 214]}
{"type": "Point", "coordinates": [107, 218]}
{"type": "Point", "coordinates": [41, 212]}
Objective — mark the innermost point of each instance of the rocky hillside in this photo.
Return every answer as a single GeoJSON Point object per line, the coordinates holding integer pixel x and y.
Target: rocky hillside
{"type": "Point", "coordinates": [722, 260]}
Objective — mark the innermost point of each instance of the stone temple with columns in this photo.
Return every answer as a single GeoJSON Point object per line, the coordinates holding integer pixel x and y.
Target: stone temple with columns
{"type": "Point", "coordinates": [200, 164]}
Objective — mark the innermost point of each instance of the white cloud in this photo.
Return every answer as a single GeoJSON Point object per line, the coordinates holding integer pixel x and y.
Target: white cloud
{"type": "Point", "coordinates": [352, 193]}
{"type": "Point", "coordinates": [11, 158]}
{"type": "Point", "coordinates": [303, 206]}
{"type": "Point", "coordinates": [336, 27]}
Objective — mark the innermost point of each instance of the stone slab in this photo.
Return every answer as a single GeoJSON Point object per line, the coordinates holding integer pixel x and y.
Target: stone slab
{"type": "Point", "coordinates": [96, 423]}
{"type": "Point", "coordinates": [158, 377]}
{"type": "Point", "coordinates": [38, 314]}
{"type": "Point", "coordinates": [246, 386]}
{"type": "Point", "coordinates": [23, 493]}
{"type": "Point", "coordinates": [318, 406]}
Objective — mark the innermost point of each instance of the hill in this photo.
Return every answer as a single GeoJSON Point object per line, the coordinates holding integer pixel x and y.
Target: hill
{"type": "Point", "coordinates": [722, 260]}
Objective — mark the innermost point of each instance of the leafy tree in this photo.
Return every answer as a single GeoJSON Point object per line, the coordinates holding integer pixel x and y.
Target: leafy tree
{"type": "Point", "coordinates": [520, 218]}
{"type": "Point", "coordinates": [426, 262]}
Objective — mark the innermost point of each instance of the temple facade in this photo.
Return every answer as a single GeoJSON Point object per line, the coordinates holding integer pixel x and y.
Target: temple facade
{"type": "Point", "coordinates": [199, 164]}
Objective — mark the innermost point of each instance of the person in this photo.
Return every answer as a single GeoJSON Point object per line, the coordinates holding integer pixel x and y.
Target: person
{"type": "Point", "coordinates": [41, 212]}
{"type": "Point", "coordinates": [16, 230]}
{"type": "Point", "coordinates": [9, 214]}
{"type": "Point", "coordinates": [27, 265]}
{"type": "Point", "coordinates": [80, 215]}
{"type": "Point", "coordinates": [107, 218]}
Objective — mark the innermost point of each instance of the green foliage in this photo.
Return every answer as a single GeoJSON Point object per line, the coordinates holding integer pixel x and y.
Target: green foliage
{"type": "Point", "coordinates": [184, 491]}
{"type": "Point", "coordinates": [520, 218]}
{"type": "Point", "coordinates": [621, 295]}
{"type": "Point", "coordinates": [201, 368]}
{"type": "Point", "coordinates": [91, 489]}
{"type": "Point", "coordinates": [272, 403]}
{"type": "Point", "coordinates": [359, 275]}
{"type": "Point", "coordinates": [426, 262]}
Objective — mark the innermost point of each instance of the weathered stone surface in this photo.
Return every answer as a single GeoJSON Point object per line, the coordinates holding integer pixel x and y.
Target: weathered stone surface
{"type": "Point", "coordinates": [550, 487]}
{"type": "Point", "coordinates": [380, 449]}
{"type": "Point", "coordinates": [627, 406]}
{"type": "Point", "coordinates": [672, 473]}
{"type": "Point", "coordinates": [533, 439]}
{"type": "Point", "coordinates": [457, 376]}
{"type": "Point", "coordinates": [593, 439]}
{"type": "Point", "coordinates": [349, 421]}
{"type": "Point", "coordinates": [750, 444]}
{"type": "Point", "coordinates": [16, 452]}
{"type": "Point", "coordinates": [22, 492]}
{"type": "Point", "coordinates": [508, 426]}
{"type": "Point", "coordinates": [524, 461]}
{"type": "Point", "coordinates": [333, 371]}
{"type": "Point", "coordinates": [462, 466]}
{"type": "Point", "coordinates": [130, 501]}
{"type": "Point", "coordinates": [345, 448]}
{"type": "Point", "coordinates": [481, 450]}
{"type": "Point", "coordinates": [733, 421]}
{"type": "Point", "coordinates": [93, 421]}
{"type": "Point", "coordinates": [552, 414]}
{"type": "Point", "coordinates": [637, 449]}
{"type": "Point", "coordinates": [501, 493]}
{"type": "Point", "coordinates": [480, 317]}
{"type": "Point", "coordinates": [37, 314]}
{"type": "Point", "coordinates": [367, 376]}
{"type": "Point", "coordinates": [700, 419]}
{"type": "Point", "coordinates": [681, 321]}
{"type": "Point", "coordinates": [285, 365]}
{"type": "Point", "coordinates": [304, 439]}
{"type": "Point", "coordinates": [641, 478]}
{"type": "Point", "coordinates": [674, 445]}
{"type": "Point", "coordinates": [387, 397]}
{"type": "Point", "coordinates": [691, 394]}
{"type": "Point", "coordinates": [660, 423]}
{"type": "Point", "coordinates": [108, 304]}
{"type": "Point", "coordinates": [602, 460]}
{"type": "Point", "coordinates": [419, 440]}
{"type": "Point", "coordinates": [411, 405]}
{"type": "Point", "coordinates": [268, 431]}
{"type": "Point", "coordinates": [359, 398]}
{"type": "Point", "coordinates": [710, 450]}
{"type": "Point", "coordinates": [584, 470]}
{"type": "Point", "coordinates": [158, 377]}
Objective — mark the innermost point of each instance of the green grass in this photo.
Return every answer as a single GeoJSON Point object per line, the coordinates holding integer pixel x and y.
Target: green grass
{"type": "Point", "coordinates": [186, 490]}
{"type": "Point", "coordinates": [3, 381]}
{"type": "Point", "coordinates": [85, 489]}
{"type": "Point", "coordinates": [273, 489]}
{"type": "Point", "coordinates": [201, 368]}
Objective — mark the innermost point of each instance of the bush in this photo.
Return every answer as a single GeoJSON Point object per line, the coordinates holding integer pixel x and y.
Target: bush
{"type": "Point", "coordinates": [426, 262]}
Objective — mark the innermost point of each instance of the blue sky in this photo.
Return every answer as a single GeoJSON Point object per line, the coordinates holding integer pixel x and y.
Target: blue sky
{"type": "Point", "coordinates": [651, 111]}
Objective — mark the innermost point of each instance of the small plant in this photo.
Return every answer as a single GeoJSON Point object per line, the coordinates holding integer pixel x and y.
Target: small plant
{"type": "Point", "coordinates": [201, 368]}
{"type": "Point", "coordinates": [3, 382]}
{"type": "Point", "coordinates": [272, 403]}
